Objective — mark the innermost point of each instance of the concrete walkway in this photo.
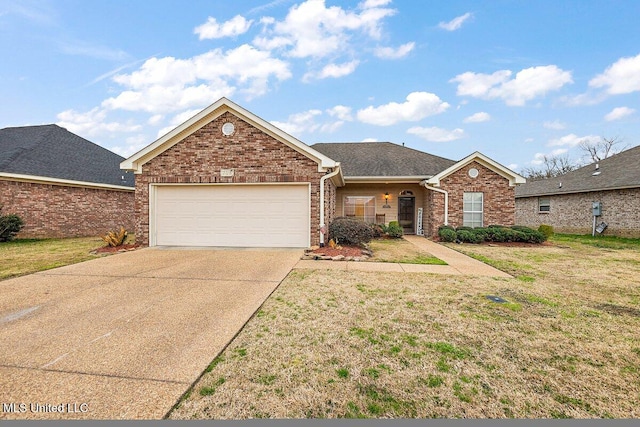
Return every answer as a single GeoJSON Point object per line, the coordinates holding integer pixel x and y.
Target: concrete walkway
{"type": "Point", "coordinates": [458, 263]}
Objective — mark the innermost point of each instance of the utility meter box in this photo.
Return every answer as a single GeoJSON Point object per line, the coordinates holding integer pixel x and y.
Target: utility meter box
{"type": "Point", "coordinates": [597, 208]}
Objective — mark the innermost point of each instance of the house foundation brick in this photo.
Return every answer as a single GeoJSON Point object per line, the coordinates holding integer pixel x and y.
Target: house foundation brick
{"type": "Point", "coordinates": [58, 211]}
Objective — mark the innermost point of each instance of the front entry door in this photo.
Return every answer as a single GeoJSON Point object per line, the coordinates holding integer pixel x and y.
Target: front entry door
{"type": "Point", "coordinates": [406, 214]}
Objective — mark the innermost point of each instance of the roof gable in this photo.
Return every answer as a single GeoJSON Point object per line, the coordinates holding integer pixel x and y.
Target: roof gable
{"type": "Point", "coordinates": [49, 151]}
{"type": "Point", "coordinates": [616, 172]}
{"type": "Point", "coordinates": [383, 160]}
{"type": "Point", "coordinates": [136, 161]}
{"type": "Point", "coordinates": [514, 178]}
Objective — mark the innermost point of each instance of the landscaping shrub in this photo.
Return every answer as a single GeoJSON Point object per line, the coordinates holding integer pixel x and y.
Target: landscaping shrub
{"type": "Point", "coordinates": [350, 231]}
{"type": "Point", "coordinates": [447, 234]}
{"type": "Point", "coordinates": [547, 230]}
{"type": "Point", "coordinates": [10, 225]}
{"type": "Point", "coordinates": [469, 236]}
{"type": "Point", "coordinates": [394, 230]}
{"type": "Point", "coordinates": [378, 230]}
{"type": "Point", "coordinates": [115, 238]}
{"type": "Point", "coordinates": [529, 234]}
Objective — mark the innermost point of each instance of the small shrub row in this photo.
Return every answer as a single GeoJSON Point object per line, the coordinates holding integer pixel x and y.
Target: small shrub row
{"type": "Point", "coordinates": [492, 233]}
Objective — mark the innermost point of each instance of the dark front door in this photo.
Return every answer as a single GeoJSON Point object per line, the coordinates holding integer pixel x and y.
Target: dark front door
{"type": "Point", "coordinates": [406, 214]}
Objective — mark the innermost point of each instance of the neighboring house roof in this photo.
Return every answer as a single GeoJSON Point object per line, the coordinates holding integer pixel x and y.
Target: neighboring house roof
{"type": "Point", "coordinates": [514, 178]}
{"type": "Point", "coordinates": [380, 160]}
{"type": "Point", "coordinates": [616, 172]}
{"type": "Point", "coordinates": [51, 153]}
{"type": "Point", "coordinates": [209, 114]}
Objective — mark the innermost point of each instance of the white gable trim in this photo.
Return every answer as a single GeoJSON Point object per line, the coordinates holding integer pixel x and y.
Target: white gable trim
{"type": "Point", "coordinates": [514, 178]}
{"type": "Point", "coordinates": [135, 162]}
{"type": "Point", "coordinates": [58, 181]}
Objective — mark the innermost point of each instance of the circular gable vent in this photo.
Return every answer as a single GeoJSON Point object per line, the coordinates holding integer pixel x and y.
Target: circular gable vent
{"type": "Point", "coordinates": [228, 129]}
{"type": "Point", "coordinates": [473, 173]}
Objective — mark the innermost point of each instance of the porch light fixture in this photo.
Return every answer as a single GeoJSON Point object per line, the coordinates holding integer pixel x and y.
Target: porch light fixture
{"type": "Point", "coordinates": [386, 201]}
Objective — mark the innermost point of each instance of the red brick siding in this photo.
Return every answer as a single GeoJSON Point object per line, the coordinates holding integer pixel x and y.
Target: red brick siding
{"type": "Point", "coordinates": [63, 211]}
{"type": "Point", "coordinates": [571, 213]}
{"type": "Point", "coordinates": [255, 157]}
{"type": "Point", "coordinates": [499, 198]}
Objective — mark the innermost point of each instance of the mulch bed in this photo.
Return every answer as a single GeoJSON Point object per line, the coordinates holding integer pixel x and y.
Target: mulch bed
{"type": "Point", "coordinates": [346, 251]}
{"type": "Point", "coordinates": [115, 249]}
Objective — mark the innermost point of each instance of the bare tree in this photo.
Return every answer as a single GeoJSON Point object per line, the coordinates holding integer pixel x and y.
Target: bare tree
{"type": "Point", "coordinates": [551, 166]}
{"type": "Point", "coordinates": [602, 149]}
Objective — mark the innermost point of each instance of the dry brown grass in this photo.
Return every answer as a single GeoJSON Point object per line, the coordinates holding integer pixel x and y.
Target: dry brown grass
{"type": "Point", "coordinates": [355, 344]}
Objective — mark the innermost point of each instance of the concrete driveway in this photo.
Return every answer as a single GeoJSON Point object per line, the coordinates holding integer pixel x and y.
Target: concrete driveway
{"type": "Point", "coordinates": [123, 337]}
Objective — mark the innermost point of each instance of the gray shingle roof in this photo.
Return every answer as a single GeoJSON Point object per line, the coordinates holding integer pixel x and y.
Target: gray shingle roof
{"type": "Point", "coordinates": [619, 171]}
{"type": "Point", "coordinates": [382, 159]}
{"type": "Point", "coordinates": [54, 152]}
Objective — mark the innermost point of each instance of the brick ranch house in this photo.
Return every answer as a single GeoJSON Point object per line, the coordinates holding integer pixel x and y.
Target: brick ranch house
{"type": "Point", "coordinates": [226, 177]}
{"type": "Point", "coordinates": [565, 202]}
{"type": "Point", "coordinates": [62, 185]}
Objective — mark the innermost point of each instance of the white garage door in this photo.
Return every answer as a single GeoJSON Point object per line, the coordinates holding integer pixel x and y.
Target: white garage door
{"type": "Point", "coordinates": [232, 215]}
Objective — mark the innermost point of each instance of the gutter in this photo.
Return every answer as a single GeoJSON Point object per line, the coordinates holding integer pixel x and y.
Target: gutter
{"type": "Point", "coordinates": [322, 180]}
{"type": "Point", "coordinates": [446, 199]}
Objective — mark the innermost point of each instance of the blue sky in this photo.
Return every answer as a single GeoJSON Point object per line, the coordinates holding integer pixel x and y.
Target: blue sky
{"type": "Point", "coordinates": [513, 79]}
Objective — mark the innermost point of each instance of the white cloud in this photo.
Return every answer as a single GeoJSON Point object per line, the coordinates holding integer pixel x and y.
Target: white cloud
{"type": "Point", "coordinates": [436, 134]}
{"type": "Point", "coordinates": [619, 113]}
{"type": "Point", "coordinates": [512, 166]}
{"type": "Point", "coordinates": [333, 71]}
{"type": "Point", "coordinates": [91, 50]}
{"type": "Point", "coordinates": [455, 23]}
{"type": "Point", "coordinates": [213, 30]}
{"type": "Point", "coordinates": [300, 123]}
{"type": "Point", "coordinates": [572, 140]}
{"type": "Point", "coordinates": [342, 112]}
{"type": "Point", "coordinates": [478, 118]}
{"type": "Point", "coordinates": [528, 84]}
{"type": "Point", "coordinates": [555, 125]}
{"type": "Point", "coordinates": [391, 53]}
{"type": "Point", "coordinates": [93, 123]}
{"type": "Point", "coordinates": [133, 144]}
{"type": "Point", "coordinates": [367, 4]}
{"type": "Point", "coordinates": [539, 158]}
{"type": "Point", "coordinates": [311, 29]}
{"type": "Point", "coordinates": [177, 120]}
{"type": "Point", "coordinates": [623, 76]}
{"type": "Point", "coordinates": [417, 106]}
{"type": "Point", "coordinates": [164, 85]}
{"type": "Point", "coordinates": [369, 140]}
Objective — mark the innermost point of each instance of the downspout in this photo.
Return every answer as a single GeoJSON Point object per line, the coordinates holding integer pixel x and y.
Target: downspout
{"type": "Point", "coordinates": [446, 200]}
{"type": "Point", "coordinates": [322, 180]}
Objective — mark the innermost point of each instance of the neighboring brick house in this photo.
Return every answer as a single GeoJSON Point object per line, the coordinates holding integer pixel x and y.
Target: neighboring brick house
{"type": "Point", "coordinates": [62, 185]}
{"type": "Point", "coordinates": [229, 178]}
{"type": "Point", "coordinates": [566, 202]}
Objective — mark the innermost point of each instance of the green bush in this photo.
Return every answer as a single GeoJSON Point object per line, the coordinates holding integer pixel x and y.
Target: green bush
{"type": "Point", "coordinates": [349, 231]}
{"type": "Point", "coordinates": [10, 225]}
{"type": "Point", "coordinates": [378, 230]}
{"type": "Point", "coordinates": [547, 230]}
{"type": "Point", "coordinates": [447, 234]}
{"type": "Point", "coordinates": [530, 235]}
{"type": "Point", "coordinates": [469, 236]}
{"type": "Point", "coordinates": [504, 234]}
{"type": "Point", "coordinates": [394, 230]}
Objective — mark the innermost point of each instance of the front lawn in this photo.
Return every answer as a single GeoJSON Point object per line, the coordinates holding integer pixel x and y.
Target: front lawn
{"type": "Point", "coordinates": [400, 251]}
{"type": "Point", "coordinates": [361, 344]}
{"type": "Point", "coordinates": [26, 256]}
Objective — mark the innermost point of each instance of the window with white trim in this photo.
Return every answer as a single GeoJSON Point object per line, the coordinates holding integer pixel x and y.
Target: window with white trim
{"type": "Point", "coordinates": [472, 209]}
{"type": "Point", "coordinates": [544, 204]}
{"type": "Point", "coordinates": [360, 207]}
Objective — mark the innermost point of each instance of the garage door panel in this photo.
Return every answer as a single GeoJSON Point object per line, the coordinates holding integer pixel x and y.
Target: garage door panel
{"type": "Point", "coordinates": [234, 215]}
